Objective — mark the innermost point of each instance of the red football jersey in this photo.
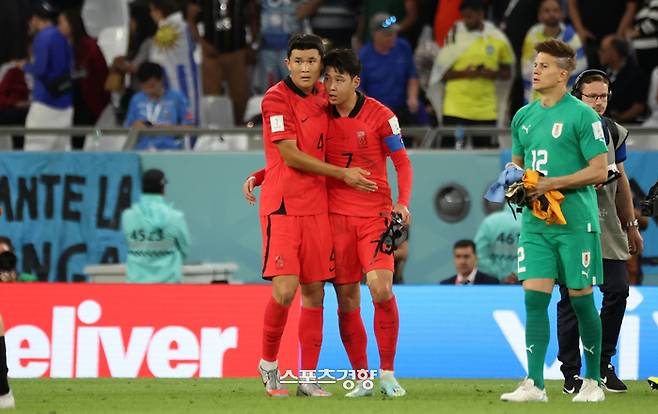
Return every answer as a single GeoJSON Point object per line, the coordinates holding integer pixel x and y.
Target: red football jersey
{"type": "Point", "coordinates": [289, 113]}
{"type": "Point", "coordinates": [362, 139]}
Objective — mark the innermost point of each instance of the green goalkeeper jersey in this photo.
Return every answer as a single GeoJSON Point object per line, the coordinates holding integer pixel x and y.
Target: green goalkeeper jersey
{"type": "Point", "coordinates": [559, 141]}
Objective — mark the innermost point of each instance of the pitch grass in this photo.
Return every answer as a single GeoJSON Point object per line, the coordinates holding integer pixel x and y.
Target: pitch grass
{"type": "Point", "coordinates": [59, 396]}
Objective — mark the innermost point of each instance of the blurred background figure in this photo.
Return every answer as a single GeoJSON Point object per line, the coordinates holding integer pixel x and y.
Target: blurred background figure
{"type": "Point", "coordinates": [173, 49]}
{"type": "Point", "coordinates": [333, 20]}
{"type": "Point", "coordinates": [278, 21]}
{"type": "Point", "coordinates": [389, 71]}
{"type": "Point", "coordinates": [629, 82]}
{"type": "Point", "coordinates": [497, 242]}
{"type": "Point", "coordinates": [551, 25]}
{"type": "Point", "coordinates": [471, 78]}
{"type": "Point", "coordinates": [157, 235]}
{"type": "Point", "coordinates": [644, 35]}
{"type": "Point", "coordinates": [157, 106]}
{"type": "Point", "coordinates": [406, 12]}
{"type": "Point", "coordinates": [466, 264]}
{"type": "Point", "coordinates": [90, 73]}
{"type": "Point", "coordinates": [8, 262]}
{"type": "Point", "coordinates": [596, 19]}
{"type": "Point", "coordinates": [225, 50]}
{"type": "Point", "coordinates": [140, 40]}
{"type": "Point", "coordinates": [52, 98]}
{"type": "Point", "coordinates": [14, 99]}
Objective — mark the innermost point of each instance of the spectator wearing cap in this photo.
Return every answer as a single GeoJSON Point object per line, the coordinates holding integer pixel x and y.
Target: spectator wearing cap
{"type": "Point", "coordinates": [471, 77]}
{"type": "Point", "coordinates": [406, 12]}
{"type": "Point", "coordinates": [389, 72]}
{"type": "Point", "coordinates": [157, 235]}
{"type": "Point", "coordinates": [157, 107]}
{"type": "Point", "coordinates": [52, 98]}
{"type": "Point", "coordinates": [629, 84]}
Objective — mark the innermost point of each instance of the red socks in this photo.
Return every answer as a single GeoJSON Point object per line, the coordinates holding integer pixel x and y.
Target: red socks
{"type": "Point", "coordinates": [355, 340]}
{"type": "Point", "coordinates": [276, 316]}
{"type": "Point", "coordinates": [387, 323]}
{"type": "Point", "coordinates": [310, 336]}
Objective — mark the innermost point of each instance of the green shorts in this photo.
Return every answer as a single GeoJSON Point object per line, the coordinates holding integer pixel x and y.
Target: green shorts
{"type": "Point", "coordinates": [574, 259]}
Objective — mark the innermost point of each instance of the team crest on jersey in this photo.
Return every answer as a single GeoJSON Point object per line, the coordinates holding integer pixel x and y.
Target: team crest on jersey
{"type": "Point", "coordinates": [557, 130]}
{"type": "Point", "coordinates": [278, 261]}
{"type": "Point", "coordinates": [586, 259]}
{"type": "Point", "coordinates": [362, 138]}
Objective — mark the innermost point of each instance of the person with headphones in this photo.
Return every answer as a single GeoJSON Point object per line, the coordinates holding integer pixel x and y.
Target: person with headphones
{"type": "Point", "coordinates": [619, 237]}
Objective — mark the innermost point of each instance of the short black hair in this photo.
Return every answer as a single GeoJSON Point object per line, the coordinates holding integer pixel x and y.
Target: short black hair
{"type": "Point", "coordinates": [44, 10]}
{"type": "Point", "coordinates": [477, 5]}
{"type": "Point", "coordinates": [153, 181]}
{"type": "Point", "coordinates": [303, 41]}
{"type": "Point", "coordinates": [464, 243]}
{"type": "Point", "coordinates": [167, 7]}
{"type": "Point", "coordinates": [621, 46]}
{"type": "Point", "coordinates": [6, 240]}
{"type": "Point", "coordinates": [149, 70]}
{"type": "Point", "coordinates": [344, 61]}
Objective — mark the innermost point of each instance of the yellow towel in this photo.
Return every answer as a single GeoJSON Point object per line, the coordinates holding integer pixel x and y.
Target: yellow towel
{"type": "Point", "coordinates": [547, 206]}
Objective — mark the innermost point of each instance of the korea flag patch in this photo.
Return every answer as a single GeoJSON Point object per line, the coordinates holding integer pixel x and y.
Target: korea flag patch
{"type": "Point", "coordinates": [395, 126]}
{"type": "Point", "coordinates": [597, 128]}
{"type": "Point", "coordinates": [276, 123]}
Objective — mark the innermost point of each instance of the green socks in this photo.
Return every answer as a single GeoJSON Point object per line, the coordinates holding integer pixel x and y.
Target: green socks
{"type": "Point", "coordinates": [537, 333]}
{"type": "Point", "coordinates": [589, 326]}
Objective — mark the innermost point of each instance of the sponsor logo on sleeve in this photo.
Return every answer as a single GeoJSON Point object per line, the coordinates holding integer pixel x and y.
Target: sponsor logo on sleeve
{"type": "Point", "coordinates": [395, 126]}
{"type": "Point", "coordinates": [276, 123]}
{"type": "Point", "coordinates": [597, 128]}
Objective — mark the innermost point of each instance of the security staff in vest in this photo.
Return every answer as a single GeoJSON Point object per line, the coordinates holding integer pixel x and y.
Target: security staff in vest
{"type": "Point", "coordinates": [157, 235]}
{"type": "Point", "coordinates": [620, 237]}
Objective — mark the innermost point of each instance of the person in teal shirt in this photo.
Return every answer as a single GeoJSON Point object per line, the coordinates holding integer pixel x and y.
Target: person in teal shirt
{"type": "Point", "coordinates": [157, 235]}
{"type": "Point", "coordinates": [496, 242]}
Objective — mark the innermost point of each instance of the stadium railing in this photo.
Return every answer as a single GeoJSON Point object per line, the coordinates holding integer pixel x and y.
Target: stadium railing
{"type": "Point", "coordinates": [423, 137]}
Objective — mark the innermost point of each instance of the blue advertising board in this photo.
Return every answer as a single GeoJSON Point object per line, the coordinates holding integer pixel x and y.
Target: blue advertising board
{"type": "Point", "coordinates": [478, 332]}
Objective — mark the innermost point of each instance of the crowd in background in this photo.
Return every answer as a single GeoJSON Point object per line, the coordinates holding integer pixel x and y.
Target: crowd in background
{"type": "Point", "coordinates": [446, 62]}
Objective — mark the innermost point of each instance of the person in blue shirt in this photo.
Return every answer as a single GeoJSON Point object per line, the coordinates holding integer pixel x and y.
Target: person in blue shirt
{"type": "Point", "coordinates": [389, 72]}
{"type": "Point", "coordinates": [52, 97]}
{"type": "Point", "coordinates": [157, 235]}
{"type": "Point", "coordinates": [157, 107]}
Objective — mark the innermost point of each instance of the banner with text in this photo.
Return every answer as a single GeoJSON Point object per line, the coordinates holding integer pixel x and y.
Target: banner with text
{"type": "Point", "coordinates": [63, 210]}
{"type": "Point", "coordinates": [82, 330]}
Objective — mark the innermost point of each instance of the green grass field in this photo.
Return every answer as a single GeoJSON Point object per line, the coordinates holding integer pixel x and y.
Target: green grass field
{"type": "Point", "coordinates": [58, 396]}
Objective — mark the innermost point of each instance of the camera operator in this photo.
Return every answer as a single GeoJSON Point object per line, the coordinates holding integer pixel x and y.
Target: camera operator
{"type": "Point", "coordinates": [8, 264]}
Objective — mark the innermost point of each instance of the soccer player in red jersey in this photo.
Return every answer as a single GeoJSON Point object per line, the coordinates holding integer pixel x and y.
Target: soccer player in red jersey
{"type": "Point", "coordinates": [297, 243]}
{"type": "Point", "coordinates": [363, 133]}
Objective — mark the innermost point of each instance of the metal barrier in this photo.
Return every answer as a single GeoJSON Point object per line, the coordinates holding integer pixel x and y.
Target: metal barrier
{"type": "Point", "coordinates": [423, 137]}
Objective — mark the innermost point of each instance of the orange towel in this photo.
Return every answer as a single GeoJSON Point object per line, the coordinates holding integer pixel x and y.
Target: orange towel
{"type": "Point", "coordinates": [547, 206]}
